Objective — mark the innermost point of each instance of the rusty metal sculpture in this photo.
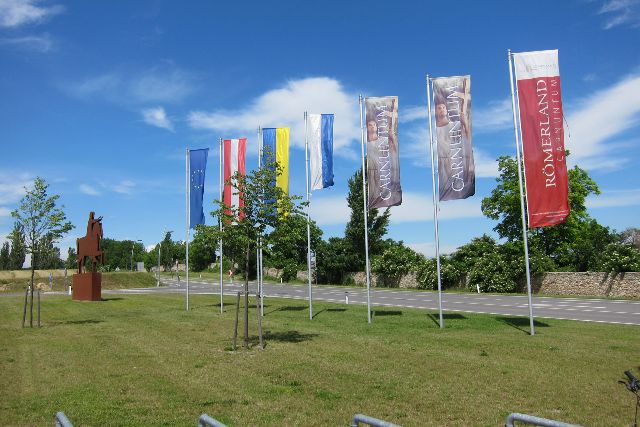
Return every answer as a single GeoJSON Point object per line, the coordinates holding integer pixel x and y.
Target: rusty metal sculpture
{"type": "Point", "coordinates": [89, 245]}
{"type": "Point", "coordinates": [87, 286]}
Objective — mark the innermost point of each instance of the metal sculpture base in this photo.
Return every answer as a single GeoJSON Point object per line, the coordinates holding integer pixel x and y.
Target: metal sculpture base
{"type": "Point", "coordinates": [87, 287]}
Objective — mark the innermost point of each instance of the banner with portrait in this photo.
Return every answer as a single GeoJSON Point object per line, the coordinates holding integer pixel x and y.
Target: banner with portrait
{"type": "Point", "coordinates": [383, 161]}
{"type": "Point", "coordinates": [541, 121]}
{"type": "Point", "coordinates": [456, 169]}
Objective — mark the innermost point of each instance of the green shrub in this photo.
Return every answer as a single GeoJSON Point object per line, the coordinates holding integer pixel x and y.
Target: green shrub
{"type": "Point", "coordinates": [620, 257]}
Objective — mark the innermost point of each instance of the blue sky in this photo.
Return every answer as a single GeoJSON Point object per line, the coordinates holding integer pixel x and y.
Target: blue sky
{"type": "Point", "coordinates": [102, 98]}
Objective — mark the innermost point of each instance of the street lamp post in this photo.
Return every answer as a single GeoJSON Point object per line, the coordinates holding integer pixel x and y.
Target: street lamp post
{"type": "Point", "coordinates": [132, 246]}
{"type": "Point", "coordinates": [159, 246]}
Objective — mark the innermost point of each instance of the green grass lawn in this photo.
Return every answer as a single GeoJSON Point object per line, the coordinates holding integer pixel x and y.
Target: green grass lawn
{"type": "Point", "coordinates": [141, 360]}
{"type": "Point", "coordinates": [112, 280]}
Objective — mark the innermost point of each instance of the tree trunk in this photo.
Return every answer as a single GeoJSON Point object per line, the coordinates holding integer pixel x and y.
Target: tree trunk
{"type": "Point", "coordinates": [33, 272]}
{"type": "Point", "coordinates": [246, 298]}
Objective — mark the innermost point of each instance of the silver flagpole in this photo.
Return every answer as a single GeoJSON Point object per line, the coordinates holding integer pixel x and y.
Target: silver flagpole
{"type": "Point", "coordinates": [366, 226]}
{"type": "Point", "coordinates": [435, 201]}
{"type": "Point", "coordinates": [522, 210]}
{"type": "Point", "coordinates": [220, 225]}
{"type": "Point", "coordinates": [187, 208]}
{"type": "Point", "coordinates": [306, 174]}
{"type": "Point", "coordinates": [260, 272]}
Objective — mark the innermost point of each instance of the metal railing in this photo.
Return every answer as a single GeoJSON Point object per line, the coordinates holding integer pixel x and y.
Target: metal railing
{"type": "Point", "coordinates": [62, 420]}
{"type": "Point", "coordinates": [206, 421]}
{"type": "Point", "coordinates": [359, 418]}
{"type": "Point", "coordinates": [536, 421]}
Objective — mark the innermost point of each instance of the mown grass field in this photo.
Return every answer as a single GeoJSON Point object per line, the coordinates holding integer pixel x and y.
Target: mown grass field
{"type": "Point", "coordinates": [18, 280]}
{"type": "Point", "coordinates": [143, 360]}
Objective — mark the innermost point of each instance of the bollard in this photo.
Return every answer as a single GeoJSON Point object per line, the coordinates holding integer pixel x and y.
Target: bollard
{"type": "Point", "coordinates": [346, 298]}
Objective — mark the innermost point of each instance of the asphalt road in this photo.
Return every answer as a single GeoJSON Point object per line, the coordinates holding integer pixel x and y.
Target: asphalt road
{"type": "Point", "coordinates": [626, 312]}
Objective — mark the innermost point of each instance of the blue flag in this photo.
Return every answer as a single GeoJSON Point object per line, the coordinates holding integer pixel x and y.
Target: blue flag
{"type": "Point", "coordinates": [197, 168]}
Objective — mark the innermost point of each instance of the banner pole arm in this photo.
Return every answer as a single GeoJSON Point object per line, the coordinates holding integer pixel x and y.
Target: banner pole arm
{"type": "Point", "coordinates": [522, 209]}
{"type": "Point", "coordinates": [366, 211]}
{"type": "Point", "coordinates": [435, 201]}
{"type": "Point", "coordinates": [187, 209]}
{"type": "Point", "coordinates": [306, 175]}
{"type": "Point", "coordinates": [220, 226]}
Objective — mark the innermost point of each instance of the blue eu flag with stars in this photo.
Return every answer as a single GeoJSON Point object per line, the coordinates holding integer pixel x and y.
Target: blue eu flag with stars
{"type": "Point", "coordinates": [197, 168]}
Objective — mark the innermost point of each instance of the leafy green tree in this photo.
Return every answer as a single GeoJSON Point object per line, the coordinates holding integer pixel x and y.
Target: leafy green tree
{"type": "Point", "coordinates": [202, 249]}
{"type": "Point", "coordinates": [72, 259]}
{"type": "Point", "coordinates": [394, 262]}
{"type": "Point", "coordinates": [465, 257]}
{"type": "Point", "coordinates": [49, 255]}
{"type": "Point", "coordinates": [264, 205]}
{"type": "Point", "coordinates": [620, 257]}
{"type": "Point", "coordinates": [427, 274]}
{"type": "Point", "coordinates": [567, 243]}
{"type": "Point", "coordinates": [42, 221]}
{"type": "Point", "coordinates": [354, 231]}
{"type": "Point", "coordinates": [334, 258]}
{"type": "Point", "coordinates": [4, 256]}
{"type": "Point", "coordinates": [18, 252]}
{"type": "Point", "coordinates": [288, 247]}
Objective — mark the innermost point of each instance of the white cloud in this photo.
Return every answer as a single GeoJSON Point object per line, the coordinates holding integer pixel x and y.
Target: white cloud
{"type": "Point", "coordinates": [12, 186]}
{"type": "Point", "coordinates": [329, 210]}
{"type": "Point", "coordinates": [124, 187]}
{"type": "Point", "coordinates": [157, 117]}
{"type": "Point", "coordinates": [621, 12]}
{"type": "Point", "coordinates": [614, 198]}
{"type": "Point", "coordinates": [14, 13]}
{"type": "Point", "coordinates": [164, 84]}
{"type": "Point", "coordinates": [43, 43]}
{"type": "Point", "coordinates": [284, 106]}
{"type": "Point", "coordinates": [419, 207]}
{"type": "Point", "coordinates": [417, 151]}
{"type": "Point", "coordinates": [87, 189]}
{"type": "Point", "coordinates": [496, 116]}
{"type": "Point", "coordinates": [601, 122]}
{"type": "Point", "coordinates": [4, 212]}
{"type": "Point", "coordinates": [429, 248]}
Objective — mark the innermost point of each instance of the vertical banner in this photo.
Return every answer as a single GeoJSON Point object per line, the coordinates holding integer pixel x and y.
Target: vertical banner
{"type": "Point", "coordinates": [541, 122]}
{"type": "Point", "coordinates": [383, 162]}
{"type": "Point", "coordinates": [321, 150]}
{"type": "Point", "coordinates": [197, 166]}
{"type": "Point", "coordinates": [234, 161]}
{"type": "Point", "coordinates": [275, 147]}
{"type": "Point", "coordinates": [456, 169]}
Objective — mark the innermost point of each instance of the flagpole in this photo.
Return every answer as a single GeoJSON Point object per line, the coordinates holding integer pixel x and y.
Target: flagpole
{"type": "Point", "coordinates": [306, 175]}
{"type": "Point", "coordinates": [260, 272]}
{"type": "Point", "coordinates": [522, 209]}
{"type": "Point", "coordinates": [220, 225]}
{"type": "Point", "coordinates": [366, 226]}
{"type": "Point", "coordinates": [435, 201]}
{"type": "Point", "coordinates": [187, 208]}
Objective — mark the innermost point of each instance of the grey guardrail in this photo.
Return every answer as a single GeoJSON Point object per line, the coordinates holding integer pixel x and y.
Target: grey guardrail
{"type": "Point", "coordinates": [206, 421]}
{"type": "Point", "coordinates": [62, 420]}
{"type": "Point", "coordinates": [536, 421]}
{"type": "Point", "coordinates": [359, 418]}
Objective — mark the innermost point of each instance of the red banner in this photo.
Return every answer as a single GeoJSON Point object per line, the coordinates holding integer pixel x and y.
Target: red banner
{"type": "Point", "coordinates": [541, 121]}
{"type": "Point", "coordinates": [234, 161]}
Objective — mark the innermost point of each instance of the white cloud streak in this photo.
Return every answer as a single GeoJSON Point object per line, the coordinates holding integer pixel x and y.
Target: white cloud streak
{"type": "Point", "coordinates": [156, 85]}
{"type": "Point", "coordinates": [157, 117]}
{"type": "Point", "coordinates": [621, 13]}
{"type": "Point", "coordinates": [125, 187]}
{"type": "Point", "coordinates": [614, 198]}
{"type": "Point", "coordinates": [4, 212]}
{"type": "Point", "coordinates": [15, 13]}
{"type": "Point", "coordinates": [283, 107]}
{"type": "Point", "coordinates": [429, 248]}
{"type": "Point", "coordinates": [42, 44]}
{"type": "Point", "coordinates": [89, 190]}
{"type": "Point", "coordinates": [12, 186]}
{"type": "Point", "coordinates": [601, 122]}
{"type": "Point", "coordinates": [417, 207]}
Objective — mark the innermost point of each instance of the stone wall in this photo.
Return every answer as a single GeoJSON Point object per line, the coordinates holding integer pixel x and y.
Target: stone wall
{"type": "Point", "coordinates": [626, 285]}
{"type": "Point", "coordinates": [615, 285]}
